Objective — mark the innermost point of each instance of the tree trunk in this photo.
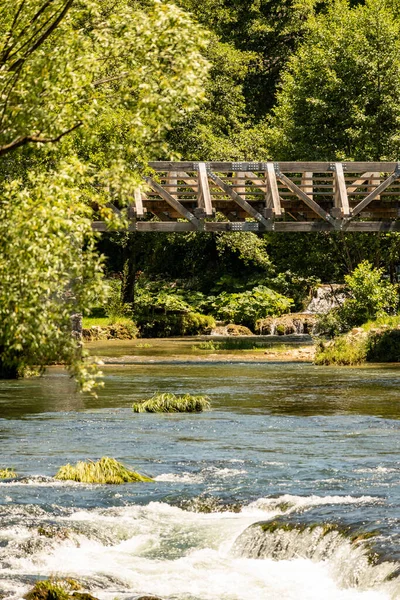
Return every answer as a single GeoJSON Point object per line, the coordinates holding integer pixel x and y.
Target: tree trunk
{"type": "Point", "coordinates": [128, 291]}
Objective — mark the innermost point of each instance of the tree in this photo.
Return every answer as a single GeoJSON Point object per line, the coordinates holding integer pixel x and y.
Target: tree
{"type": "Point", "coordinates": [339, 98]}
{"type": "Point", "coordinates": [87, 93]}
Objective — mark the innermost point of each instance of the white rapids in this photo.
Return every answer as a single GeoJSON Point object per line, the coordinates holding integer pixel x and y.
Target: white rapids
{"type": "Point", "coordinates": [181, 555]}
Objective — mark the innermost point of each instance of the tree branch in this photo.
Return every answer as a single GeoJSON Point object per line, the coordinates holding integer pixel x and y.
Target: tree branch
{"type": "Point", "coordinates": [44, 36]}
{"type": "Point", "coordinates": [26, 139]}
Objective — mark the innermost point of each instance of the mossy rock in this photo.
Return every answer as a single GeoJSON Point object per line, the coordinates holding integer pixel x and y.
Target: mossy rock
{"type": "Point", "coordinates": [233, 329]}
{"type": "Point", "coordinates": [53, 532]}
{"type": "Point", "coordinates": [106, 470]}
{"type": "Point", "coordinates": [83, 596]}
{"type": "Point", "coordinates": [170, 403]}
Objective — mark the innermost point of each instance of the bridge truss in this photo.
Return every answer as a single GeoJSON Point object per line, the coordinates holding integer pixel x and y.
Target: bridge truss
{"type": "Point", "coordinates": [268, 196]}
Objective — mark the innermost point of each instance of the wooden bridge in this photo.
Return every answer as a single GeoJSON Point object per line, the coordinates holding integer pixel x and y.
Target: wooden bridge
{"type": "Point", "coordinates": [267, 196]}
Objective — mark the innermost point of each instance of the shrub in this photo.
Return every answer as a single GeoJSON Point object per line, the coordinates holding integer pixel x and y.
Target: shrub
{"type": "Point", "coordinates": [170, 403]}
{"type": "Point", "coordinates": [344, 350]}
{"type": "Point", "coordinates": [174, 324]}
{"type": "Point", "coordinates": [384, 346]}
{"type": "Point", "coordinates": [7, 473]}
{"type": "Point", "coordinates": [245, 308]}
{"type": "Point", "coordinates": [106, 470]}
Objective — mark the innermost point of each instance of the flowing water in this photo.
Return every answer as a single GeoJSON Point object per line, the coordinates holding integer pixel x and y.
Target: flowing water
{"type": "Point", "coordinates": [311, 453]}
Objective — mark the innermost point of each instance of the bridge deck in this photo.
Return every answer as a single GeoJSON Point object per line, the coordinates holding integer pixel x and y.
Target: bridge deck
{"type": "Point", "coordinates": [266, 196]}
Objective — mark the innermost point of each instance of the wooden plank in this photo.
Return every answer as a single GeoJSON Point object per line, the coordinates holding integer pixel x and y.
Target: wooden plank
{"type": "Point", "coordinates": [277, 226]}
{"type": "Point", "coordinates": [172, 181]}
{"type": "Point", "coordinates": [272, 199]}
{"type": "Point", "coordinates": [356, 184]}
{"type": "Point", "coordinates": [236, 198]}
{"type": "Point", "coordinates": [240, 182]}
{"type": "Point", "coordinates": [365, 201]}
{"type": "Point", "coordinates": [374, 181]}
{"type": "Point", "coordinates": [184, 212]}
{"type": "Point", "coordinates": [138, 202]}
{"type": "Point", "coordinates": [171, 226]}
{"type": "Point", "coordinates": [309, 201]}
{"type": "Point", "coordinates": [204, 196]}
{"type": "Point", "coordinates": [307, 183]}
{"type": "Point", "coordinates": [341, 199]}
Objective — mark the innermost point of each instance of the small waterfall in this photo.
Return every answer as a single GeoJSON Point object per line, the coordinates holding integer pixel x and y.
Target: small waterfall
{"type": "Point", "coordinates": [324, 298]}
{"type": "Point", "coordinates": [351, 561]}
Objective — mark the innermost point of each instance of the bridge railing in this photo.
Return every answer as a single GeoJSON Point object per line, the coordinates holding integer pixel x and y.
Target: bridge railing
{"type": "Point", "coordinates": [268, 196]}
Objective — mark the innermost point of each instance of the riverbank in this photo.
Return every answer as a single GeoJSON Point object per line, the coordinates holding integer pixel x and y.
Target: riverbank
{"type": "Point", "coordinates": [295, 348]}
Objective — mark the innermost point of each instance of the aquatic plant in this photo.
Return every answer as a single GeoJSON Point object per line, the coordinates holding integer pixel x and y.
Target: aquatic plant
{"type": "Point", "coordinates": [106, 470]}
{"type": "Point", "coordinates": [7, 473]}
{"type": "Point", "coordinates": [170, 403]}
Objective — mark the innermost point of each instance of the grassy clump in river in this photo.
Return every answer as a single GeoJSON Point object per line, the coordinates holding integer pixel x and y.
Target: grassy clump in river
{"type": "Point", "coordinates": [170, 403]}
{"type": "Point", "coordinates": [53, 589]}
{"type": "Point", "coordinates": [7, 473]}
{"type": "Point", "coordinates": [106, 470]}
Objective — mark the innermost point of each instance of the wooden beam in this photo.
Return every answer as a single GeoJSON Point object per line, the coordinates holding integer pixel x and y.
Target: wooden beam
{"type": "Point", "coordinates": [300, 194]}
{"type": "Point", "coordinates": [272, 199]}
{"type": "Point", "coordinates": [204, 196]}
{"type": "Point", "coordinates": [172, 181]}
{"type": "Point", "coordinates": [378, 190]}
{"type": "Point", "coordinates": [307, 183]}
{"type": "Point", "coordinates": [277, 227]}
{"type": "Point", "coordinates": [138, 202]}
{"type": "Point", "coordinates": [239, 200]}
{"type": "Point", "coordinates": [184, 212]}
{"type": "Point", "coordinates": [356, 184]}
{"type": "Point", "coordinates": [285, 167]}
{"type": "Point", "coordinates": [341, 199]}
{"type": "Point", "coordinates": [240, 182]}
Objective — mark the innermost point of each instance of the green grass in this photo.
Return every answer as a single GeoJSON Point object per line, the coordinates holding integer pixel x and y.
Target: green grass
{"type": "Point", "coordinates": [104, 321]}
{"type": "Point", "coordinates": [106, 470]}
{"type": "Point", "coordinates": [170, 403]}
{"type": "Point", "coordinates": [7, 473]}
{"type": "Point", "coordinates": [390, 322]}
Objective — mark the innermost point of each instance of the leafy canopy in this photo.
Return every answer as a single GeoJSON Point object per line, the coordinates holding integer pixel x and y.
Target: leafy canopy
{"type": "Point", "coordinates": [340, 93]}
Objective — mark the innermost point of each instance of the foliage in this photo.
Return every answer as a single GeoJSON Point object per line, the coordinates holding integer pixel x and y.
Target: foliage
{"type": "Point", "coordinates": [339, 98]}
{"type": "Point", "coordinates": [41, 284]}
{"type": "Point", "coordinates": [370, 296]}
{"type": "Point", "coordinates": [120, 329]}
{"type": "Point", "coordinates": [247, 307]}
{"type": "Point", "coordinates": [174, 324]}
{"type": "Point", "coordinates": [170, 403]}
{"type": "Point", "coordinates": [344, 350]}
{"type": "Point", "coordinates": [105, 470]}
{"type": "Point", "coordinates": [7, 473]}
{"type": "Point", "coordinates": [384, 346]}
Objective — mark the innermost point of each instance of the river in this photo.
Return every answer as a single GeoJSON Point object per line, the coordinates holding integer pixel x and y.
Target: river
{"type": "Point", "coordinates": [285, 443]}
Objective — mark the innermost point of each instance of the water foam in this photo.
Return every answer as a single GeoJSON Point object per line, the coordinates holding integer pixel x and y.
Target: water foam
{"type": "Point", "coordinates": [173, 553]}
